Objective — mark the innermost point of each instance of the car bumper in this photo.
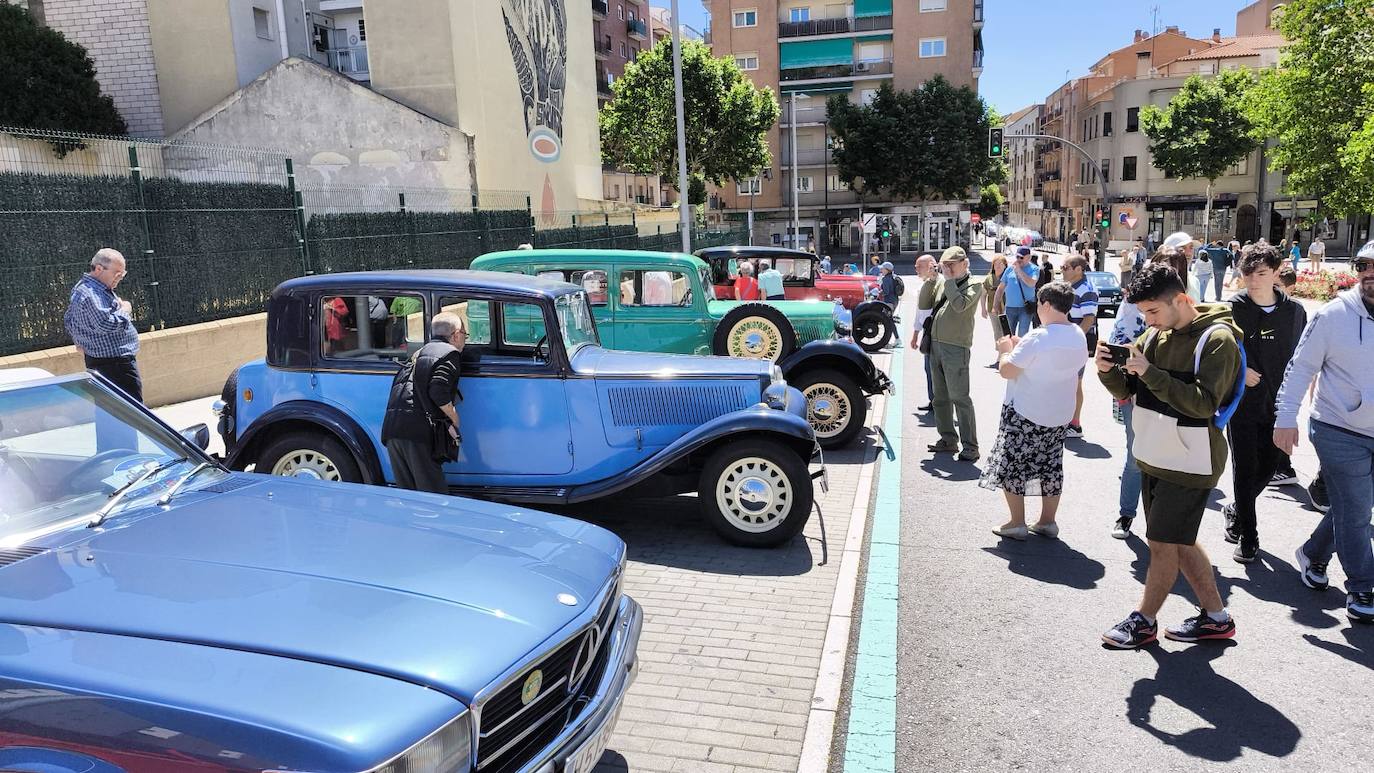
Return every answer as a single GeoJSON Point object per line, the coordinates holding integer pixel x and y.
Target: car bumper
{"type": "Point", "coordinates": [587, 735]}
{"type": "Point", "coordinates": [881, 383]}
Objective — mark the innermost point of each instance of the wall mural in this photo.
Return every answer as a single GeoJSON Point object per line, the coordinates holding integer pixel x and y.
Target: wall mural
{"type": "Point", "coordinates": [537, 32]}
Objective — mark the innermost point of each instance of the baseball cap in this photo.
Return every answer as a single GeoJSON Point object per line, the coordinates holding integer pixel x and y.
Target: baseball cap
{"type": "Point", "coordinates": [1179, 240]}
{"type": "Point", "coordinates": [1367, 251]}
{"type": "Point", "coordinates": [887, 265]}
{"type": "Point", "coordinates": [1022, 252]}
{"type": "Point", "coordinates": [953, 255]}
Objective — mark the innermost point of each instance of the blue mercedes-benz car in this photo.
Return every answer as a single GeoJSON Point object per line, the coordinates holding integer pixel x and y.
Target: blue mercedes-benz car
{"type": "Point", "coordinates": [159, 612]}
{"type": "Point", "coordinates": [548, 415]}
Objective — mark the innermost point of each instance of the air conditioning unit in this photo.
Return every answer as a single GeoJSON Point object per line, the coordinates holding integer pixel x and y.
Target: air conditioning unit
{"type": "Point", "coordinates": [861, 67]}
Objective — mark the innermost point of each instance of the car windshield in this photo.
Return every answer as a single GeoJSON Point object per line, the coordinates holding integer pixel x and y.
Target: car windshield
{"type": "Point", "coordinates": [575, 320]}
{"type": "Point", "coordinates": [707, 286]}
{"type": "Point", "coordinates": [66, 447]}
{"type": "Point", "coordinates": [1103, 281]}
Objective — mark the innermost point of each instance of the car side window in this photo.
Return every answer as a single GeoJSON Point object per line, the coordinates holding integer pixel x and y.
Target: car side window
{"type": "Point", "coordinates": [654, 288]}
{"type": "Point", "coordinates": [476, 316]}
{"type": "Point", "coordinates": [594, 281]}
{"type": "Point", "coordinates": [500, 333]}
{"type": "Point", "coordinates": [371, 327]}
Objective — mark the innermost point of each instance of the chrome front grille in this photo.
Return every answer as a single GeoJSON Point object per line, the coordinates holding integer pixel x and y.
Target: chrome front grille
{"type": "Point", "coordinates": [511, 732]}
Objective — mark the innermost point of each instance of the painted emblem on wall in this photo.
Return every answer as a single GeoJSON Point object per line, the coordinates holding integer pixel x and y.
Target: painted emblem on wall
{"type": "Point", "coordinates": [537, 32]}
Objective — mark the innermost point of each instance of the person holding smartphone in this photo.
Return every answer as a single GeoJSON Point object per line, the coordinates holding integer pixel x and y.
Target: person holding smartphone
{"type": "Point", "coordinates": [1016, 291]}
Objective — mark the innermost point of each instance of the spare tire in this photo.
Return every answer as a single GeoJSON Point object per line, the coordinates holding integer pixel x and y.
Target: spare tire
{"type": "Point", "coordinates": [757, 331]}
{"type": "Point", "coordinates": [873, 330]}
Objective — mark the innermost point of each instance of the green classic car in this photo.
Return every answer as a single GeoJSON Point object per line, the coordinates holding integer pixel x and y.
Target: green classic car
{"type": "Point", "coordinates": [665, 302]}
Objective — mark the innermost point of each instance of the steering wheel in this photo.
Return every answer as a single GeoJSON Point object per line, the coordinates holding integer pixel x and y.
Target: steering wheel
{"type": "Point", "coordinates": [76, 481]}
{"type": "Point", "coordinates": [539, 350]}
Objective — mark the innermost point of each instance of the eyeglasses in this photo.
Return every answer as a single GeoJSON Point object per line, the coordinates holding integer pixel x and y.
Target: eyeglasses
{"type": "Point", "coordinates": [1363, 265]}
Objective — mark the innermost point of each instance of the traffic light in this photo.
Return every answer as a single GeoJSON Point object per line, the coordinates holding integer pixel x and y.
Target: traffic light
{"type": "Point", "coordinates": [1104, 218]}
{"type": "Point", "coordinates": [995, 142]}
{"type": "Point", "coordinates": [885, 227]}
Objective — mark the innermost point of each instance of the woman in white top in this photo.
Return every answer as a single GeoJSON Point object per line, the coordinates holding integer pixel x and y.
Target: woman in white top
{"type": "Point", "coordinates": [1041, 370]}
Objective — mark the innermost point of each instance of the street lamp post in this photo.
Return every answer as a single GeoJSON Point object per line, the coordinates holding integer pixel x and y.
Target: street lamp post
{"type": "Point", "coordinates": [685, 201]}
{"type": "Point", "coordinates": [796, 186]}
{"type": "Point", "coordinates": [825, 180]}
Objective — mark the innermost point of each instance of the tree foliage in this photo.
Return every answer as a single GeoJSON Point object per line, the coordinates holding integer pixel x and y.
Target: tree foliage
{"type": "Point", "coordinates": [1319, 103]}
{"type": "Point", "coordinates": [727, 118]}
{"type": "Point", "coordinates": [48, 82]}
{"type": "Point", "coordinates": [927, 143]}
{"type": "Point", "coordinates": [990, 201]}
{"type": "Point", "coordinates": [1204, 130]}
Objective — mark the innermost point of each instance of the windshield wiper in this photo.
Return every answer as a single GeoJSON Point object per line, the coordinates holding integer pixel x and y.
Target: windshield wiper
{"type": "Point", "coordinates": [165, 498]}
{"type": "Point", "coordinates": [118, 494]}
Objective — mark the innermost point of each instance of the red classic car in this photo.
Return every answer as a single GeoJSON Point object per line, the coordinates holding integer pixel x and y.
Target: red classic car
{"type": "Point", "coordinates": [802, 279]}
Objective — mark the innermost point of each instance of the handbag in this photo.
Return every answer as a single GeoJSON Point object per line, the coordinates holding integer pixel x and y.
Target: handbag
{"type": "Point", "coordinates": [928, 326]}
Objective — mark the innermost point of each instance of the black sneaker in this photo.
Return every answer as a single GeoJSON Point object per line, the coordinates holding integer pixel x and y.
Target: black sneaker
{"type": "Point", "coordinates": [1313, 572]}
{"type": "Point", "coordinates": [1284, 478]}
{"type": "Point", "coordinates": [1316, 491]}
{"type": "Point", "coordinates": [1122, 529]}
{"type": "Point", "coordinates": [1245, 552]}
{"type": "Point", "coordinates": [1360, 607]}
{"type": "Point", "coordinates": [1131, 633]}
{"type": "Point", "coordinates": [1200, 628]}
{"type": "Point", "coordinates": [1232, 534]}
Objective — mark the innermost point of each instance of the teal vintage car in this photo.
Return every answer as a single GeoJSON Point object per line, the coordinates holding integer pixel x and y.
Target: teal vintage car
{"type": "Point", "coordinates": [665, 302]}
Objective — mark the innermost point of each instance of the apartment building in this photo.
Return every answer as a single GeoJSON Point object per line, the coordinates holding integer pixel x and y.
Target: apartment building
{"type": "Point", "coordinates": [809, 50]}
{"type": "Point", "coordinates": [620, 30]}
{"type": "Point", "coordinates": [1023, 193]}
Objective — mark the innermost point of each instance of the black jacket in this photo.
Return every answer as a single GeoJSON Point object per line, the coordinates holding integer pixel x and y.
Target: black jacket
{"type": "Point", "coordinates": [428, 381]}
{"type": "Point", "coordinates": [1270, 340]}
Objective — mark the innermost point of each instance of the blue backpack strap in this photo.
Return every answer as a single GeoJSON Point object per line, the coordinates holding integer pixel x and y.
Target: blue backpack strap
{"type": "Point", "coordinates": [1227, 409]}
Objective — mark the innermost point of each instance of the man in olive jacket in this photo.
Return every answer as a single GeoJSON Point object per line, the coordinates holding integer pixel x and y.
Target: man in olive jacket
{"type": "Point", "coordinates": [954, 298]}
{"type": "Point", "coordinates": [1177, 389]}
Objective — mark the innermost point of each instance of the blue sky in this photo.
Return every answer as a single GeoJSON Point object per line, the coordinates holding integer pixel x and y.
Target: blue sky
{"type": "Point", "coordinates": [1031, 43]}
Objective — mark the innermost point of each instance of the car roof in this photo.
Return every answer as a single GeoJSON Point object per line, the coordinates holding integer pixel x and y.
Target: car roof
{"type": "Point", "coordinates": [525, 257]}
{"type": "Point", "coordinates": [458, 279]}
{"type": "Point", "coordinates": [753, 251]}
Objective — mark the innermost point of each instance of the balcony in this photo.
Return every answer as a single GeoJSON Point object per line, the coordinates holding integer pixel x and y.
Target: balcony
{"type": "Point", "coordinates": [805, 115]}
{"type": "Point", "coordinates": [603, 47]}
{"type": "Point", "coordinates": [978, 61]}
{"type": "Point", "coordinates": [600, 9]}
{"type": "Point", "coordinates": [840, 26]}
{"type": "Point", "coordinates": [977, 14]}
{"type": "Point", "coordinates": [603, 86]}
{"type": "Point", "coordinates": [351, 61]}
{"type": "Point", "coordinates": [811, 157]}
{"type": "Point", "coordinates": [826, 72]}
{"type": "Point", "coordinates": [1045, 177]}
{"type": "Point", "coordinates": [637, 29]}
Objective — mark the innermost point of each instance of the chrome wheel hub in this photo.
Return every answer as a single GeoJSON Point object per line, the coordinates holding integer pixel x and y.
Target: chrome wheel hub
{"type": "Point", "coordinates": [828, 410]}
{"type": "Point", "coordinates": [754, 495]}
{"type": "Point", "coordinates": [307, 463]}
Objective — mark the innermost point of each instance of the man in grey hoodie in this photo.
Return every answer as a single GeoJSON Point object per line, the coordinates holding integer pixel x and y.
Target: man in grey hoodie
{"type": "Point", "coordinates": [1339, 344]}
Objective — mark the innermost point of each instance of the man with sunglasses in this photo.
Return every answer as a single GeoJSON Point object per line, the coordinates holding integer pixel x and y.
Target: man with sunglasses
{"type": "Point", "coordinates": [1339, 344]}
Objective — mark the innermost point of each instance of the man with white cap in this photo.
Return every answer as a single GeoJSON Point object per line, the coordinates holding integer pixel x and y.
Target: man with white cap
{"type": "Point", "coordinates": [1181, 242]}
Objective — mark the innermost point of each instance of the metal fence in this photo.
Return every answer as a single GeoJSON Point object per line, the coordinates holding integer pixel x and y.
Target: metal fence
{"type": "Point", "coordinates": [208, 231]}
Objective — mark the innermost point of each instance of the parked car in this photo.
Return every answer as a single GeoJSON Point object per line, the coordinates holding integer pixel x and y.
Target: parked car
{"type": "Point", "coordinates": [834, 375]}
{"type": "Point", "coordinates": [548, 415]}
{"type": "Point", "coordinates": [1109, 292]}
{"type": "Point", "coordinates": [162, 613]}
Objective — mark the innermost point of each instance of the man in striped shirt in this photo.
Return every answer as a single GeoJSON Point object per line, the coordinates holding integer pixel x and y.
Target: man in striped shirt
{"type": "Point", "coordinates": [1083, 314]}
{"type": "Point", "coordinates": [101, 323]}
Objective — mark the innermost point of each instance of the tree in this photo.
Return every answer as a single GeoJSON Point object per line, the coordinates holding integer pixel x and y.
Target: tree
{"type": "Point", "coordinates": [1319, 104]}
{"type": "Point", "coordinates": [927, 143]}
{"type": "Point", "coordinates": [1203, 131]}
{"type": "Point", "coordinates": [990, 203]}
{"type": "Point", "coordinates": [48, 82]}
{"type": "Point", "coordinates": [727, 118]}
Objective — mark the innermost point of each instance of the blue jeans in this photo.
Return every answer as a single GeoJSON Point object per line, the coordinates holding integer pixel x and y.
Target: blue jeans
{"type": "Point", "coordinates": [1019, 318]}
{"type": "Point", "coordinates": [1130, 472]}
{"type": "Point", "coordinates": [1203, 282]}
{"type": "Point", "coordinates": [1220, 279]}
{"type": "Point", "coordinates": [1347, 464]}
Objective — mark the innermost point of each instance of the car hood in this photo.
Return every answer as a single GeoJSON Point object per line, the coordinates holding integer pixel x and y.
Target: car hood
{"type": "Point", "coordinates": [607, 363]}
{"type": "Point", "coordinates": [439, 591]}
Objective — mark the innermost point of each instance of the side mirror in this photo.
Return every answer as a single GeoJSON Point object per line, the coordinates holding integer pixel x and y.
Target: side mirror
{"type": "Point", "coordinates": [198, 435]}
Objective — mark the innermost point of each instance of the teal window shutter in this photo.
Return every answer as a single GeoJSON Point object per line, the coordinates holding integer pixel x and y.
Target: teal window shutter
{"type": "Point", "coordinates": [872, 8]}
{"type": "Point", "coordinates": [816, 53]}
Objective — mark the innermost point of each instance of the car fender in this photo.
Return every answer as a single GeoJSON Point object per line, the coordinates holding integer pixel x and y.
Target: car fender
{"type": "Point", "coordinates": [754, 422]}
{"type": "Point", "coordinates": [326, 417]}
{"type": "Point", "coordinates": [844, 356]}
{"type": "Point", "coordinates": [873, 306]}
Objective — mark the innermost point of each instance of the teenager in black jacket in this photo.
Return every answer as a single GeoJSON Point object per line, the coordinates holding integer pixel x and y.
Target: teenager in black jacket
{"type": "Point", "coordinates": [1272, 323]}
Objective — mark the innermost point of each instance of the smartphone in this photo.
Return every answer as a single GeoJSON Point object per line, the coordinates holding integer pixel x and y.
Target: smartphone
{"type": "Point", "coordinates": [1005, 323]}
{"type": "Point", "coordinates": [1119, 353]}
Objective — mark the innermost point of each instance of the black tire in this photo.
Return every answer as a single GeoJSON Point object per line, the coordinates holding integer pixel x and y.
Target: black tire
{"type": "Point", "coordinates": [321, 457]}
{"type": "Point", "coordinates": [775, 337]}
{"type": "Point", "coordinates": [784, 483]}
{"type": "Point", "coordinates": [873, 330]}
{"type": "Point", "coordinates": [836, 409]}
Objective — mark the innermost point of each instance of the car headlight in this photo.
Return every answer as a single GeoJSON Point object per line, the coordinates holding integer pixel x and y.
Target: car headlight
{"type": "Point", "coordinates": [446, 750]}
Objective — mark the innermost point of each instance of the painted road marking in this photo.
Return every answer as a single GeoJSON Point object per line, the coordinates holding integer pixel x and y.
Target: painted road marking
{"type": "Point", "coordinates": [871, 743]}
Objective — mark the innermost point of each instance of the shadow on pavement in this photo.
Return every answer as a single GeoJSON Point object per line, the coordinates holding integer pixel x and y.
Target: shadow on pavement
{"type": "Point", "coordinates": [1359, 651]}
{"type": "Point", "coordinates": [946, 467]}
{"type": "Point", "coordinates": [1085, 450]}
{"type": "Point", "coordinates": [1050, 561]}
{"type": "Point", "coordinates": [1233, 719]}
{"type": "Point", "coordinates": [612, 762]}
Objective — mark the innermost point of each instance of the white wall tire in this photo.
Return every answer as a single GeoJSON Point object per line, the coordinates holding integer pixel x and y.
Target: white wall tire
{"type": "Point", "coordinates": [756, 493]}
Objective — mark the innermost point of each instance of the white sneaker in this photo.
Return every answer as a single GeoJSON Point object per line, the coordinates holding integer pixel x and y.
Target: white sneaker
{"type": "Point", "coordinates": [1122, 529]}
{"type": "Point", "coordinates": [1075, 431]}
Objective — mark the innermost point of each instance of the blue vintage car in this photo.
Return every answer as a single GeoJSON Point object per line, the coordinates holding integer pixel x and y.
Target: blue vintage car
{"type": "Point", "coordinates": [548, 415]}
{"type": "Point", "coordinates": [159, 612]}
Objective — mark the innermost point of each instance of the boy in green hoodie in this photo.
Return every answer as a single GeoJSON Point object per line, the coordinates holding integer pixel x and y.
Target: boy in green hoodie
{"type": "Point", "coordinates": [1178, 374]}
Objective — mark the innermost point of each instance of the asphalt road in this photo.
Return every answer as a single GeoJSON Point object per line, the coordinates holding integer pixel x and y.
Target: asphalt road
{"type": "Point", "coordinates": [1000, 665]}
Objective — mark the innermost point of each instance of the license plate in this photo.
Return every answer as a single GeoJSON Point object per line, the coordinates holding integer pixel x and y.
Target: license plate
{"type": "Point", "coordinates": [586, 757]}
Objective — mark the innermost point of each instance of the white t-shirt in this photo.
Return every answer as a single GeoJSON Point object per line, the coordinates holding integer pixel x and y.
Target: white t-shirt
{"type": "Point", "coordinates": [1317, 249]}
{"type": "Point", "coordinates": [1050, 358]}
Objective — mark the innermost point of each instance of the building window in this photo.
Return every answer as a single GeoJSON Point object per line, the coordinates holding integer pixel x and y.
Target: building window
{"type": "Point", "coordinates": [624, 52]}
{"type": "Point", "coordinates": [631, 17]}
{"type": "Point", "coordinates": [747, 61]}
{"type": "Point", "coordinates": [932, 5]}
{"type": "Point", "coordinates": [749, 18]}
{"type": "Point", "coordinates": [1106, 124]}
{"type": "Point", "coordinates": [751, 186]}
{"type": "Point", "coordinates": [1106, 170]}
{"type": "Point", "coordinates": [932, 47]}
{"type": "Point", "coordinates": [617, 192]}
{"type": "Point", "coordinates": [262, 23]}
{"type": "Point", "coordinates": [620, 11]}
{"type": "Point", "coordinates": [872, 52]}
{"type": "Point", "coordinates": [1132, 119]}
{"type": "Point", "coordinates": [1128, 168]}
{"type": "Point", "coordinates": [1242, 167]}
{"type": "Point", "coordinates": [800, 14]}
{"type": "Point", "coordinates": [835, 184]}
{"type": "Point", "coordinates": [634, 54]}
{"type": "Point", "coordinates": [804, 184]}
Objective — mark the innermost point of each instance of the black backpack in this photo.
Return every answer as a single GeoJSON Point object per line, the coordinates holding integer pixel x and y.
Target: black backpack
{"type": "Point", "coordinates": [898, 285]}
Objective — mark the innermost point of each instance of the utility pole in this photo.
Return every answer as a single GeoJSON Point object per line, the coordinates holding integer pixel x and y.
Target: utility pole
{"type": "Point", "coordinates": [685, 200]}
{"type": "Point", "coordinates": [796, 186]}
